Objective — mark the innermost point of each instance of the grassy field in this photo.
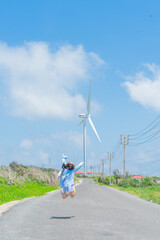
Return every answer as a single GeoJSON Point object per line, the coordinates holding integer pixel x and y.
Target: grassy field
{"type": "Point", "coordinates": [145, 189]}
{"type": "Point", "coordinates": [17, 173]}
{"type": "Point", "coordinates": [17, 191]}
{"type": "Point", "coordinates": [149, 193]}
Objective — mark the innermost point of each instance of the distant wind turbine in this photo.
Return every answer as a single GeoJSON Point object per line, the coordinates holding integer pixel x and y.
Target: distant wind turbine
{"type": "Point", "coordinates": [85, 117]}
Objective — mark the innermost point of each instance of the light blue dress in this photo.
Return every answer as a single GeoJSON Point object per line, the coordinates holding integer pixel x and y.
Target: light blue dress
{"type": "Point", "coordinates": [67, 179]}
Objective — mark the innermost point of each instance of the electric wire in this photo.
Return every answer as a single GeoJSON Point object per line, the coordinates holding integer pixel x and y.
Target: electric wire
{"type": "Point", "coordinates": [142, 136]}
{"type": "Point", "coordinates": [146, 141]}
{"type": "Point", "coordinates": [117, 150]}
{"type": "Point", "coordinates": [148, 157]}
{"type": "Point", "coordinates": [155, 126]}
{"type": "Point", "coordinates": [143, 163]}
{"type": "Point", "coordinates": [119, 155]}
{"type": "Point", "coordinates": [146, 127]}
{"type": "Point", "coordinates": [116, 147]}
{"type": "Point", "coordinates": [152, 150]}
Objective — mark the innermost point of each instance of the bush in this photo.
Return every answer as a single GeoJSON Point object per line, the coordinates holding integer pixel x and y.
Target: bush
{"type": "Point", "coordinates": [155, 178]}
{"type": "Point", "coordinates": [20, 171]}
{"type": "Point", "coordinates": [135, 182]}
{"type": "Point", "coordinates": [14, 166]}
{"type": "Point", "coordinates": [99, 179]}
{"type": "Point", "coordinates": [105, 180]}
{"type": "Point", "coordinates": [116, 174]}
{"type": "Point", "coordinates": [124, 183]}
{"type": "Point", "coordinates": [147, 182]}
{"type": "Point", "coordinates": [81, 176]}
{"type": "Point", "coordinates": [4, 180]}
{"type": "Point", "coordinates": [78, 175]}
{"type": "Point", "coordinates": [129, 182]}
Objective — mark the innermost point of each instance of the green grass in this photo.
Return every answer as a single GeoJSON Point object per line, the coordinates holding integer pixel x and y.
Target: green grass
{"type": "Point", "coordinates": [149, 193]}
{"type": "Point", "coordinates": [29, 188]}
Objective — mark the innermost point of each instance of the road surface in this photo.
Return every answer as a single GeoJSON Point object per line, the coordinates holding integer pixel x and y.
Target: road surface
{"type": "Point", "coordinates": [97, 212]}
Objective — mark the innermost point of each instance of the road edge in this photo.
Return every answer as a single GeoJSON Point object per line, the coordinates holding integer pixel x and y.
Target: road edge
{"type": "Point", "coordinates": [7, 206]}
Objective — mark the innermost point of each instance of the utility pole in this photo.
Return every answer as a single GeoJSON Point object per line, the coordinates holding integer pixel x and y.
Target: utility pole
{"type": "Point", "coordinates": [49, 161]}
{"type": "Point", "coordinates": [110, 157]}
{"type": "Point", "coordinates": [124, 142]}
{"type": "Point", "coordinates": [103, 160]}
{"type": "Point", "coordinates": [94, 170]}
{"type": "Point", "coordinates": [99, 166]}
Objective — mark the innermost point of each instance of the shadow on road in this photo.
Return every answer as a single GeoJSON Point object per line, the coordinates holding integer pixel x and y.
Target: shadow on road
{"type": "Point", "coordinates": [62, 217]}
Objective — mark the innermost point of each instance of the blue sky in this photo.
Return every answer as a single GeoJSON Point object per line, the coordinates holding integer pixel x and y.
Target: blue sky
{"type": "Point", "coordinates": [49, 51]}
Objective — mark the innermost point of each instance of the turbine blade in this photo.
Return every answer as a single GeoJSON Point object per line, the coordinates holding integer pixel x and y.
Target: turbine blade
{"type": "Point", "coordinates": [81, 122]}
{"type": "Point", "coordinates": [94, 129]}
{"type": "Point", "coordinates": [89, 97]}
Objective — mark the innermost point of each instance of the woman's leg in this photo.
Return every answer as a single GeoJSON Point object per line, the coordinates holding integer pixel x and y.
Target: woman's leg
{"type": "Point", "coordinates": [73, 193]}
{"type": "Point", "coordinates": [64, 195]}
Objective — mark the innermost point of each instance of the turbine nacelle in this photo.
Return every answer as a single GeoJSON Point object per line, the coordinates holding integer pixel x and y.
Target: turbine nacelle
{"type": "Point", "coordinates": [82, 115]}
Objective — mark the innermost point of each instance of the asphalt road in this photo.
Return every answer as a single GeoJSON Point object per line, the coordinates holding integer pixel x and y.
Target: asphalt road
{"type": "Point", "coordinates": [97, 212]}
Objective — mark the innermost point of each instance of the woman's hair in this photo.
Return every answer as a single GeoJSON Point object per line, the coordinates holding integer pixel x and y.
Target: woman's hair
{"type": "Point", "coordinates": [69, 163]}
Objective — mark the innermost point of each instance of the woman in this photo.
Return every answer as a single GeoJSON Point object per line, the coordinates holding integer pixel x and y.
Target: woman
{"type": "Point", "coordinates": [67, 179]}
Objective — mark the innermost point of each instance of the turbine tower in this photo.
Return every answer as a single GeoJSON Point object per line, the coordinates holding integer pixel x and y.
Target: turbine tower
{"type": "Point", "coordinates": [84, 119]}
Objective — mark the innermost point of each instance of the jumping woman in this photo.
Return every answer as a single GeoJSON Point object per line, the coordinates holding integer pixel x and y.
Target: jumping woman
{"type": "Point", "coordinates": [67, 179]}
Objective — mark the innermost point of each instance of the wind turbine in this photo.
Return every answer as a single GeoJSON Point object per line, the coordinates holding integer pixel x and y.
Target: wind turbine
{"type": "Point", "coordinates": [84, 119]}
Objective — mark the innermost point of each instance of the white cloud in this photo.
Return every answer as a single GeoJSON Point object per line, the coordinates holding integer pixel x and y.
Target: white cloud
{"type": "Point", "coordinates": [145, 90]}
{"type": "Point", "coordinates": [41, 83]}
{"type": "Point", "coordinates": [26, 144]}
{"type": "Point", "coordinates": [73, 138]}
{"type": "Point", "coordinates": [44, 157]}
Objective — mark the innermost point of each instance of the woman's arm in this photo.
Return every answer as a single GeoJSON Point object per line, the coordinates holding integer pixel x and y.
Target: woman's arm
{"type": "Point", "coordinates": [78, 167]}
{"type": "Point", "coordinates": [59, 174]}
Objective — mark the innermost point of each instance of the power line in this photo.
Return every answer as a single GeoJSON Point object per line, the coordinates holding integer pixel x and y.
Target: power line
{"type": "Point", "coordinates": [142, 136]}
{"type": "Point", "coordinates": [152, 150]}
{"type": "Point", "coordinates": [147, 157]}
{"type": "Point", "coordinates": [146, 135]}
{"type": "Point", "coordinates": [116, 147]}
{"type": "Point", "coordinates": [142, 163]}
{"type": "Point", "coordinates": [119, 155]}
{"type": "Point", "coordinates": [154, 127]}
{"type": "Point", "coordinates": [146, 127]}
{"type": "Point", "coordinates": [146, 141]}
{"type": "Point", "coordinates": [118, 151]}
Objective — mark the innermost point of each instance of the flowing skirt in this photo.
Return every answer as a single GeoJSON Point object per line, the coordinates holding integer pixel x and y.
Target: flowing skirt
{"type": "Point", "coordinates": [67, 188]}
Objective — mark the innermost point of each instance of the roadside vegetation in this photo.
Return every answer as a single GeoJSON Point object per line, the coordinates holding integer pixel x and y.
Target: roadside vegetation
{"type": "Point", "coordinates": [145, 188]}
{"type": "Point", "coordinates": [81, 176]}
{"type": "Point", "coordinates": [18, 182]}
